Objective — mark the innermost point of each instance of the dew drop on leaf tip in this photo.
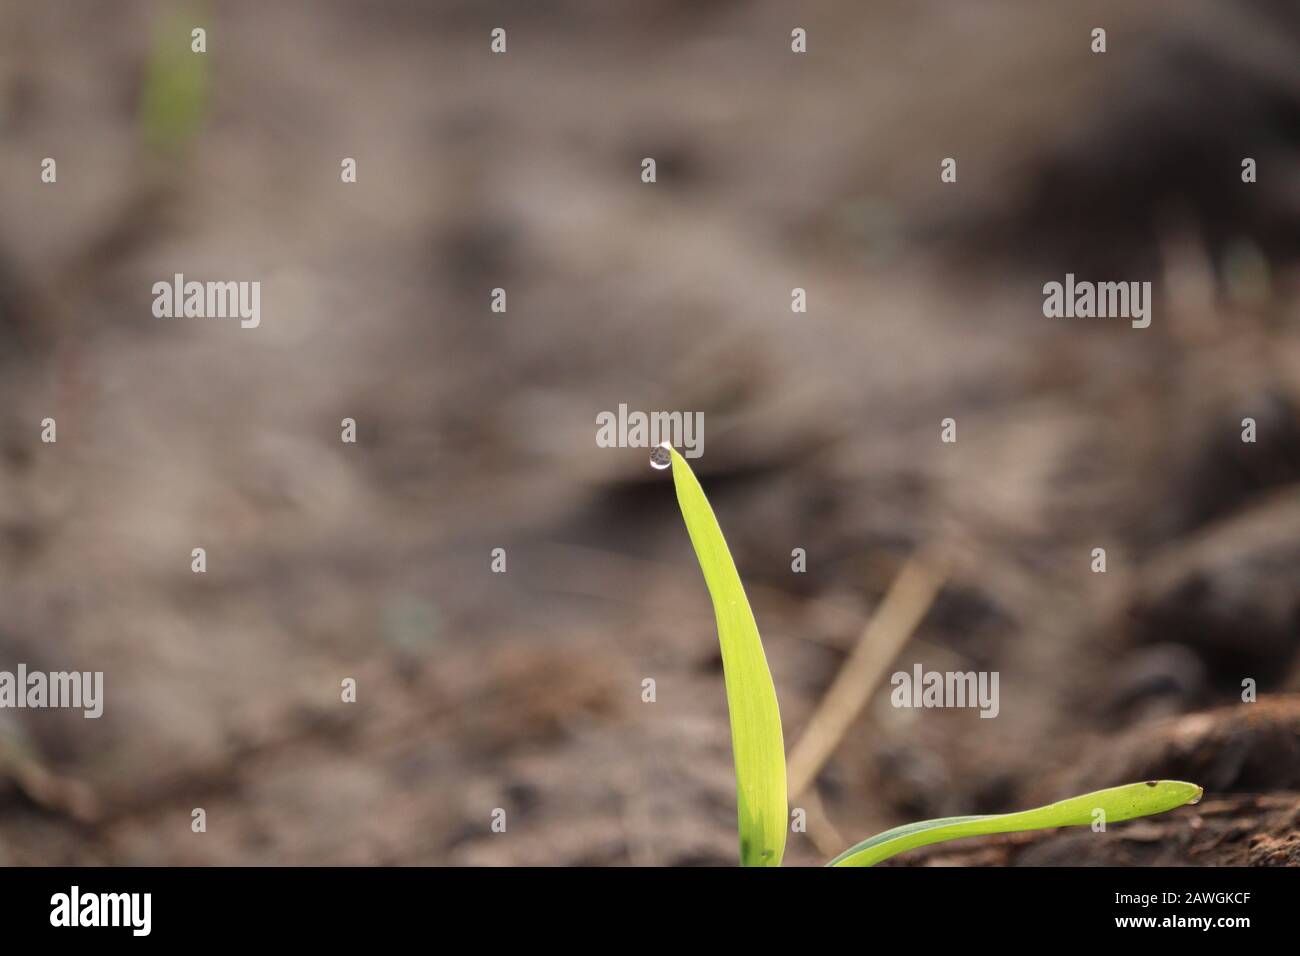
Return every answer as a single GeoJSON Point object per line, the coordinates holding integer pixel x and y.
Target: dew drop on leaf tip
{"type": "Point", "coordinates": [661, 457]}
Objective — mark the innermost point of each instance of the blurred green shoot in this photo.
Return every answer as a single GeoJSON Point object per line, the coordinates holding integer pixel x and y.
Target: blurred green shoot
{"type": "Point", "coordinates": [174, 99]}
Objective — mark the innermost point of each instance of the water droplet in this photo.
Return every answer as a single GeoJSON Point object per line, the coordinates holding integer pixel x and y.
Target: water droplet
{"type": "Point", "coordinates": [661, 457]}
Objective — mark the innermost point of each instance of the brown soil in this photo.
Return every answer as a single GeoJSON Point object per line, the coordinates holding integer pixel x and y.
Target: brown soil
{"type": "Point", "coordinates": [523, 690]}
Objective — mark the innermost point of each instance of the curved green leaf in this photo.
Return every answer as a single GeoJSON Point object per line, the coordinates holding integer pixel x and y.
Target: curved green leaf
{"type": "Point", "coordinates": [1118, 803]}
{"type": "Point", "coordinates": [756, 742]}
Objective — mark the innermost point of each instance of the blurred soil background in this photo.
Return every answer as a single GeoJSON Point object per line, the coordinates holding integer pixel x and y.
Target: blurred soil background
{"type": "Point", "coordinates": [476, 430]}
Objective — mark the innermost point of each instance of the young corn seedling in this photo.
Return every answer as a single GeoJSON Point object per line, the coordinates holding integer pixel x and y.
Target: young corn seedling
{"type": "Point", "coordinates": [759, 751]}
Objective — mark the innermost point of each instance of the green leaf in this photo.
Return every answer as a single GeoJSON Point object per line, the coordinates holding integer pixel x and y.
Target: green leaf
{"type": "Point", "coordinates": [1118, 803]}
{"type": "Point", "coordinates": [756, 742]}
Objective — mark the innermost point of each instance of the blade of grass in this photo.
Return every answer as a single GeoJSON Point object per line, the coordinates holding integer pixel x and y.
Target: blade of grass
{"type": "Point", "coordinates": [757, 745]}
{"type": "Point", "coordinates": [1118, 803]}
